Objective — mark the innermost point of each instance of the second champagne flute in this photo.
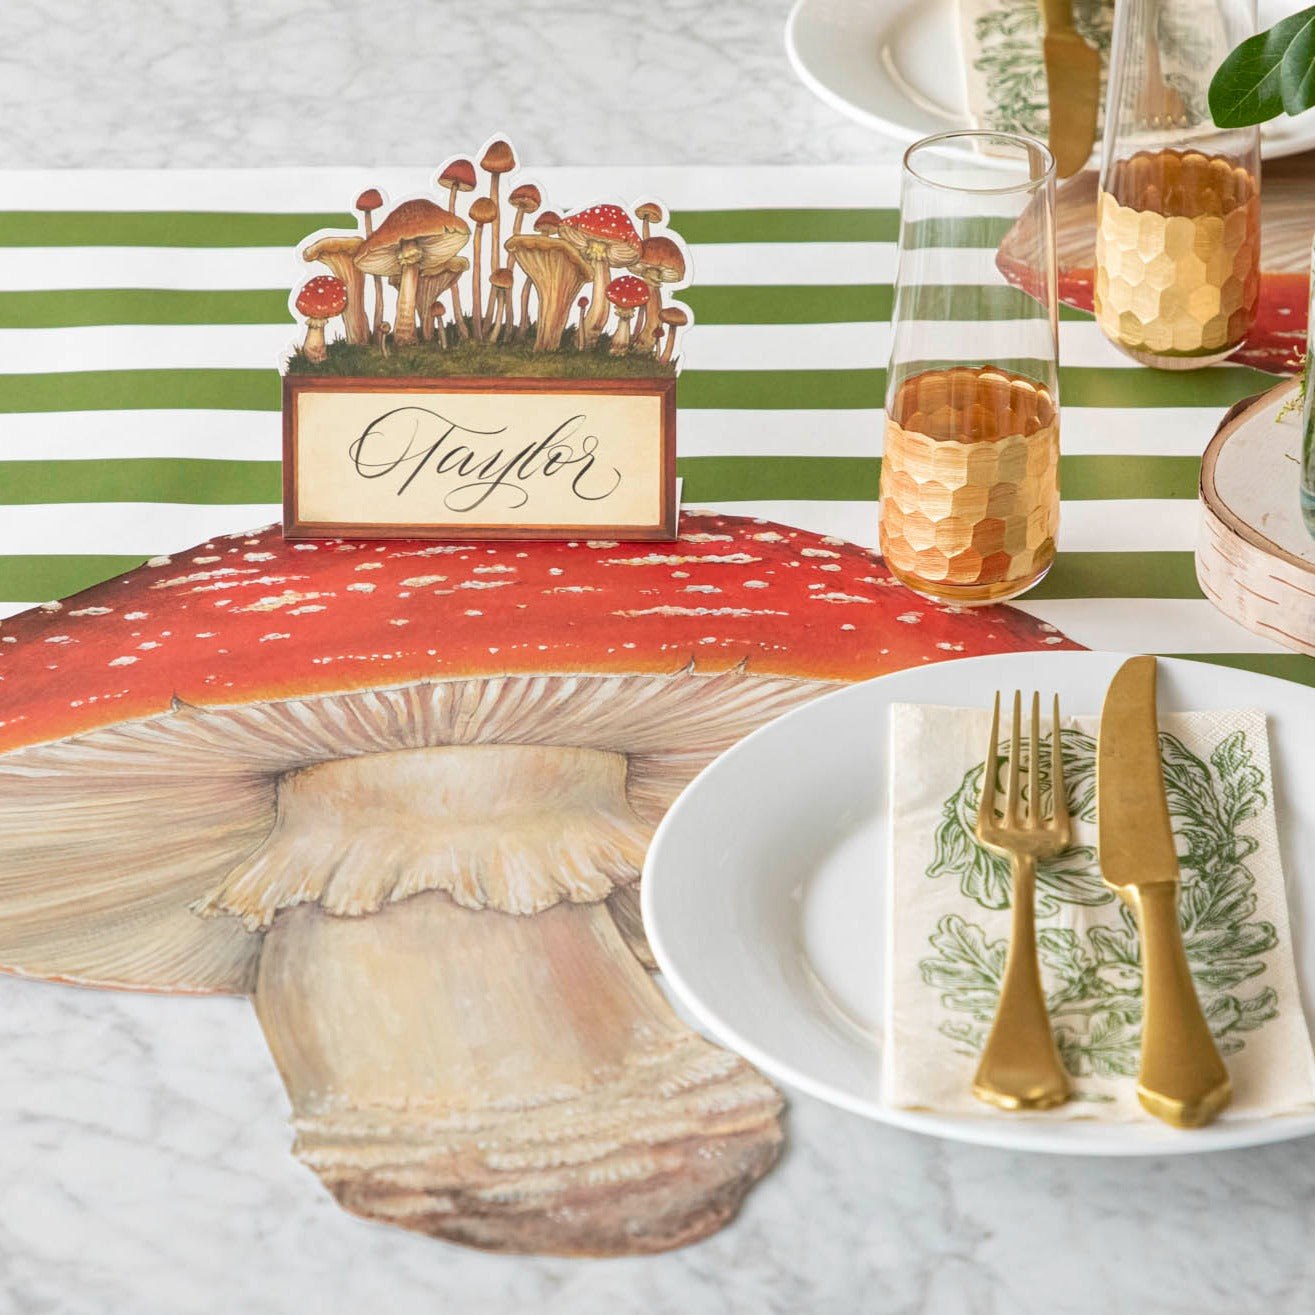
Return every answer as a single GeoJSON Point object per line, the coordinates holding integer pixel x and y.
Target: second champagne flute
{"type": "Point", "coordinates": [970, 470]}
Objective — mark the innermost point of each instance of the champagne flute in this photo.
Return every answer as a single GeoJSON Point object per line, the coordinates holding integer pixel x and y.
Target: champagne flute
{"type": "Point", "coordinates": [1178, 217]}
{"type": "Point", "coordinates": [970, 469]}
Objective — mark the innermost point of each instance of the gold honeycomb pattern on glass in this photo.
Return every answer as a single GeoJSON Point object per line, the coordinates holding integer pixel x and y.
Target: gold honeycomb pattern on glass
{"type": "Point", "coordinates": [1177, 257]}
{"type": "Point", "coordinates": [970, 484]}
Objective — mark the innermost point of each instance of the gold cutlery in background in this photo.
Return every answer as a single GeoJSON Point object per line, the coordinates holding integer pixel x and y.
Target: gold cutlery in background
{"type": "Point", "coordinates": [1020, 1068]}
{"type": "Point", "coordinates": [1073, 86]}
{"type": "Point", "coordinates": [1183, 1080]}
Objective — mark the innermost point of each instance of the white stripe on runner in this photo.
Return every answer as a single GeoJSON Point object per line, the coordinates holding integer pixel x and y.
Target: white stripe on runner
{"type": "Point", "coordinates": [121, 435]}
{"type": "Point", "coordinates": [1148, 625]}
{"type": "Point", "coordinates": [857, 346]}
{"type": "Point", "coordinates": [127, 528]}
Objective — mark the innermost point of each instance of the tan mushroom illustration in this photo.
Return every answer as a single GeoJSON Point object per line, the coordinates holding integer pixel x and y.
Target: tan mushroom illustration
{"type": "Point", "coordinates": [417, 238]}
{"type": "Point", "coordinates": [367, 203]}
{"type": "Point", "coordinates": [391, 792]}
{"type": "Point", "coordinates": [660, 261]}
{"type": "Point", "coordinates": [557, 272]}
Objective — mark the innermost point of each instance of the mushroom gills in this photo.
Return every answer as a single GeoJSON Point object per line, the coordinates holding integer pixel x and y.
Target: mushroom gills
{"type": "Point", "coordinates": [512, 1081]}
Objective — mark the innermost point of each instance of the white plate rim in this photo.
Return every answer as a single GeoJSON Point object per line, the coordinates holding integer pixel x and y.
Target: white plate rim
{"type": "Point", "coordinates": [1040, 1137]}
{"type": "Point", "coordinates": [1274, 143]}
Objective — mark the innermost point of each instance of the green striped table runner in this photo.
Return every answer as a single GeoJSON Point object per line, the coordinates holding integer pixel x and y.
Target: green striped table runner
{"type": "Point", "coordinates": [142, 314]}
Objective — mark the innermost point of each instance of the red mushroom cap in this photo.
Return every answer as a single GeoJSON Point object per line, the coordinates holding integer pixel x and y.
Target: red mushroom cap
{"type": "Point", "coordinates": [627, 292]}
{"type": "Point", "coordinates": [607, 224]}
{"type": "Point", "coordinates": [322, 297]}
{"type": "Point", "coordinates": [256, 618]}
{"type": "Point", "coordinates": [459, 174]}
{"type": "Point", "coordinates": [370, 199]}
{"type": "Point", "coordinates": [526, 197]}
{"type": "Point", "coordinates": [548, 222]}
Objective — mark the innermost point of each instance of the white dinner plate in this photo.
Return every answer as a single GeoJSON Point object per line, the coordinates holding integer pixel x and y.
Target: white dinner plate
{"type": "Point", "coordinates": [763, 891]}
{"type": "Point", "coordinates": [897, 66]}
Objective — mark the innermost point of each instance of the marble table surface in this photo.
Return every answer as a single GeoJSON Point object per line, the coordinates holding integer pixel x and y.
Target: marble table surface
{"type": "Point", "coordinates": [144, 1161]}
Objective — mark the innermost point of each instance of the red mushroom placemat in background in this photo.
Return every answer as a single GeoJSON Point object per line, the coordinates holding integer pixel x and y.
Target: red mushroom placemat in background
{"type": "Point", "coordinates": [399, 794]}
{"type": "Point", "coordinates": [1278, 341]}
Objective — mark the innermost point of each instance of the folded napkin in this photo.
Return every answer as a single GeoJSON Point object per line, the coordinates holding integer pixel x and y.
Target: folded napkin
{"type": "Point", "coordinates": [1004, 74]}
{"type": "Point", "coordinates": [948, 920]}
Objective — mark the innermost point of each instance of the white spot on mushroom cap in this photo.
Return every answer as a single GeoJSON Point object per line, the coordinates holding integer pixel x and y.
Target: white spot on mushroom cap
{"type": "Point", "coordinates": [679, 559]}
{"type": "Point", "coordinates": [288, 598]}
{"type": "Point", "coordinates": [368, 566]}
{"type": "Point", "coordinates": [257, 556]}
{"type": "Point", "coordinates": [473, 612]}
{"type": "Point", "coordinates": [673, 610]}
{"type": "Point", "coordinates": [274, 634]}
{"type": "Point", "coordinates": [768, 536]}
{"type": "Point", "coordinates": [360, 588]}
{"type": "Point", "coordinates": [494, 569]}
{"type": "Point", "coordinates": [829, 566]}
{"type": "Point", "coordinates": [703, 537]}
{"type": "Point", "coordinates": [159, 561]}
{"type": "Point", "coordinates": [484, 584]}
{"type": "Point", "coordinates": [948, 646]}
{"type": "Point", "coordinates": [909, 618]}
{"type": "Point", "coordinates": [840, 598]}
{"type": "Point", "coordinates": [701, 589]}
{"type": "Point", "coordinates": [817, 552]}
{"type": "Point", "coordinates": [58, 639]}
{"type": "Point", "coordinates": [756, 584]}
{"type": "Point", "coordinates": [53, 606]}
{"type": "Point", "coordinates": [149, 644]}
{"type": "Point", "coordinates": [419, 581]}
{"type": "Point", "coordinates": [92, 611]}
{"type": "Point", "coordinates": [121, 662]}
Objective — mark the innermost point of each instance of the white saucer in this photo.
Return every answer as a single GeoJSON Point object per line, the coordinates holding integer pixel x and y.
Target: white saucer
{"type": "Point", "coordinates": [764, 886]}
{"type": "Point", "coordinates": [896, 66]}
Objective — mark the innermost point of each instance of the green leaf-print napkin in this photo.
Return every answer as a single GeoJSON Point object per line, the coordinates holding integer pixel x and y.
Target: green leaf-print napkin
{"type": "Point", "coordinates": [948, 920]}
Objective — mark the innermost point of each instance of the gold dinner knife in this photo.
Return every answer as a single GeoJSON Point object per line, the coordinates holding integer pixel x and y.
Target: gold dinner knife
{"type": "Point", "coordinates": [1182, 1081]}
{"type": "Point", "coordinates": [1073, 86]}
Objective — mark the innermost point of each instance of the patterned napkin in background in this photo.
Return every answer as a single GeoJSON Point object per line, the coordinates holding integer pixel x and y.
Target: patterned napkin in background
{"type": "Point", "coordinates": [949, 920]}
{"type": "Point", "coordinates": [1003, 69]}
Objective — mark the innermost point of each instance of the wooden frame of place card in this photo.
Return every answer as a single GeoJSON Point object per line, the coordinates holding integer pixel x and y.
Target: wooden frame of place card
{"type": "Point", "coordinates": [479, 458]}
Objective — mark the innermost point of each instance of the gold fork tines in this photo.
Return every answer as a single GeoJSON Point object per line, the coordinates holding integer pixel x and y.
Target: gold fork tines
{"type": "Point", "coordinates": [1020, 1068]}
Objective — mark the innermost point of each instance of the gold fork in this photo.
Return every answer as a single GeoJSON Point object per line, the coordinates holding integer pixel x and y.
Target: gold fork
{"type": "Point", "coordinates": [1020, 1067]}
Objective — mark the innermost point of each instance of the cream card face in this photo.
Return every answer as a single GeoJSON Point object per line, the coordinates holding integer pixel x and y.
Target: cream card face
{"type": "Point", "coordinates": [491, 457]}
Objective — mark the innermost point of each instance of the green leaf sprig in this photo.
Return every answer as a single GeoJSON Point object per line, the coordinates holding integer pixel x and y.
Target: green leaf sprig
{"type": "Point", "coordinates": [1268, 74]}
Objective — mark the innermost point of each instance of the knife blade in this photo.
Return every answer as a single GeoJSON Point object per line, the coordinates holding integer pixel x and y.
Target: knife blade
{"type": "Point", "coordinates": [1072, 85]}
{"type": "Point", "coordinates": [1182, 1081]}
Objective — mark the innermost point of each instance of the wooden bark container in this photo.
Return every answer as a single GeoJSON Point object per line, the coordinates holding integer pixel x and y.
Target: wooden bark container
{"type": "Point", "coordinates": [1255, 559]}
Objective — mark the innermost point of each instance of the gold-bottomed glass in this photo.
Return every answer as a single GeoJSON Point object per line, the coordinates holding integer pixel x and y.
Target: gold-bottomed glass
{"type": "Point", "coordinates": [1178, 216]}
{"type": "Point", "coordinates": [970, 463]}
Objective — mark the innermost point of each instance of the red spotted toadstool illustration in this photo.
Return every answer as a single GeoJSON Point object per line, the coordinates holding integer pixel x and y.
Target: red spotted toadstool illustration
{"type": "Point", "coordinates": [604, 235]}
{"type": "Point", "coordinates": [319, 300]}
{"type": "Point", "coordinates": [627, 294]}
{"type": "Point", "coordinates": [393, 792]}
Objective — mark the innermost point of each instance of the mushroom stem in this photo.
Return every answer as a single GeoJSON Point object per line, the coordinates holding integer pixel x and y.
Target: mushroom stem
{"type": "Point", "coordinates": [495, 238]}
{"type": "Point", "coordinates": [547, 1099]}
{"type": "Point", "coordinates": [377, 332]}
{"type": "Point", "coordinates": [591, 327]}
{"type": "Point", "coordinates": [313, 348]}
{"type": "Point", "coordinates": [649, 319]}
{"type": "Point", "coordinates": [477, 292]}
{"type": "Point", "coordinates": [670, 343]}
{"type": "Point", "coordinates": [458, 316]}
{"type": "Point", "coordinates": [621, 339]}
{"type": "Point", "coordinates": [523, 326]}
{"type": "Point", "coordinates": [404, 330]}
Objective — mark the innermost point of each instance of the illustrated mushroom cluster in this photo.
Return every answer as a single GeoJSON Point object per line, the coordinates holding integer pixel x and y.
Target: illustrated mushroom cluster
{"type": "Point", "coordinates": [440, 277]}
{"type": "Point", "coordinates": [399, 795]}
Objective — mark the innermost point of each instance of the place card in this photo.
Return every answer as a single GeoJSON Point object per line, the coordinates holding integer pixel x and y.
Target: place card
{"type": "Point", "coordinates": [496, 369]}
